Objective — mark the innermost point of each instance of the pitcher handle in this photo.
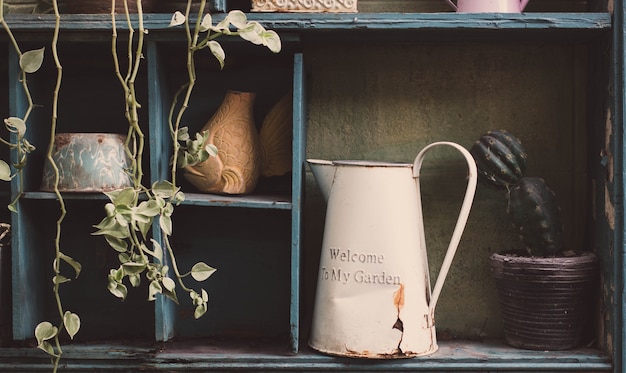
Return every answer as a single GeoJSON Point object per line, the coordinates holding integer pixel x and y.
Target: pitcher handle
{"type": "Point", "coordinates": [452, 4]}
{"type": "Point", "coordinates": [461, 221]}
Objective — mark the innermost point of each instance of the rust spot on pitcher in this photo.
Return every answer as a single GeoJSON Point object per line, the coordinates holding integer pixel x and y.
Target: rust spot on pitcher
{"type": "Point", "coordinates": [398, 354]}
{"type": "Point", "coordinates": [398, 301]}
{"type": "Point", "coordinates": [398, 298]}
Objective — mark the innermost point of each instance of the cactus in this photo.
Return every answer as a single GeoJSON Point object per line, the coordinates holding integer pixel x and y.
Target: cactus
{"type": "Point", "coordinates": [501, 162]}
{"type": "Point", "coordinates": [535, 214]}
{"type": "Point", "coordinates": [500, 158]}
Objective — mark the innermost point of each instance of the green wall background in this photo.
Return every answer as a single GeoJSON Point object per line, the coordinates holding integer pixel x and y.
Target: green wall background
{"type": "Point", "coordinates": [386, 101]}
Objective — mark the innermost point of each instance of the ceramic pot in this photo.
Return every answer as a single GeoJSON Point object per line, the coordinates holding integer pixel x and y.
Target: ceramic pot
{"type": "Point", "coordinates": [545, 301]}
{"type": "Point", "coordinates": [311, 6]}
{"type": "Point", "coordinates": [25, 7]}
{"type": "Point", "coordinates": [104, 6]}
{"type": "Point", "coordinates": [489, 6]}
{"type": "Point", "coordinates": [236, 168]}
{"type": "Point", "coordinates": [88, 162]}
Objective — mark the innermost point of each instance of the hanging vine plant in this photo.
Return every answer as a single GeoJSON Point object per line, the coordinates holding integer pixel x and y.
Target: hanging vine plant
{"type": "Point", "coordinates": [131, 212]}
{"type": "Point", "coordinates": [47, 333]}
{"type": "Point", "coordinates": [30, 62]}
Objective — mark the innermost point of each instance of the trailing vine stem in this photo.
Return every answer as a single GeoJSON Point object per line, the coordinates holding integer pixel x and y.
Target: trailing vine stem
{"type": "Point", "coordinates": [135, 139]}
{"type": "Point", "coordinates": [17, 126]}
{"type": "Point", "coordinates": [192, 42]}
{"type": "Point", "coordinates": [30, 62]}
{"type": "Point", "coordinates": [55, 103]}
{"type": "Point", "coordinates": [69, 322]}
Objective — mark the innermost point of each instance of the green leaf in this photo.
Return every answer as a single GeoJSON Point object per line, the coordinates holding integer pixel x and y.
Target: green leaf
{"type": "Point", "coordinates": [117, 289]}
{"type": "Point", "coordinates": [168, 210]}
{"type": "Point", "coordinates": [200, 310]}
{"type": "Point", "coordinates": [109, 209]}
{"type": "Point", "coordinates": [166, 224]}
{"type": "Point", "coordinates": [133, 267]}
{"type": "Point", "coordinates": [158, 250]}
{"type": "Point", "coordinates": [201, 271]}
{"type": "Point", "coordinates": [116, 275]}
{"type": "Point", "coordinates": [178, 19]}
{"type": "Point", "coordinates": [211, 150]}
{"type": "Point", "coordinates": [271, 40]}
{"type": "Point", "coordinates": [47, 347]}
{"type": "Point", "coordinates": [149, 208]}
{"type": "Point", "coordinates": [178, 197]}
{"type": "Point", "coordinates": [123, 258]}
{"type": "Point", "coordinates": [154, 289]}
{"type": "Point", "coordinates": [144, 227]}
{"type": "Point", "coordinates": [5, 171]}
{"type": "Point", "coordinates": [69, 260]}
{"type": "Point", "coordinates": [16, 125]}
{"type": "Point", "coordinates": [72, 323]}
{"type": "Point", "coordinates": [117, 244]}
{"type": "Point", "coordinates": [237, 18]}
{"type": "Point", "coordinates": [168, 283]}
{"type": "Point", "coordinates": [218, 52]}
{"type": "Point", "coordinates": [222, 26]}
{"type": "Point", "coordinates": [123, 197]}
{"type": "Point", "coordinates": [171, 295]}
{"type": "Point", "coordinates": [31, 60]}
{"type": "Point", "coordinates": [252, 32]}
{"type": "Point", "coordinates": [45, 331]}
{"type": "Point", "coordinates": [60, 279]}
{"type": "Point", "coordinates": [135, 279]}
{"type": "Point", "coordinates": [27, 146]}
{"type": "Point", "coordinates": [206, 23]}
{"type": "Point", "coordinates": [163, 188]}
{"type": "Point", "coordinates": [110, 226]}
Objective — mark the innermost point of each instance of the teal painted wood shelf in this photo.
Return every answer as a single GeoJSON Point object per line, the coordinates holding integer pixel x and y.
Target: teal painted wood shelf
{"type": "Point", "coordinates": [261, 235]}
{"type": "Point", "coordinates": [341, 22]}
{"type": "Point", "coordinates": [451, 357]}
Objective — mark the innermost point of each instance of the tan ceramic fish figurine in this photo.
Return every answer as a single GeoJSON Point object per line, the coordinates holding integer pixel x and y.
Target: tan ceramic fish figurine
{"type": "Point", "coordinates": [242, 154]}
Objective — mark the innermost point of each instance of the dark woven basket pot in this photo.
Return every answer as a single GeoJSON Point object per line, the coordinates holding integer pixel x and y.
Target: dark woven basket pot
{"type": "Point", "coordinates": [104, 6]}
{"type": "Point", "coordinates": [545, 301]}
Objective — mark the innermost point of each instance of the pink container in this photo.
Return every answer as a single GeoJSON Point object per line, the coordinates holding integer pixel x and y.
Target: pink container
{"type": "Point", "coordinates": [488, 6]}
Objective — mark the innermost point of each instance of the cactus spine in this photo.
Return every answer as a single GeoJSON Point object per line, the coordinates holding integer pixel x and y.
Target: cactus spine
{"type": "Point", "coordinates": [501, 162]}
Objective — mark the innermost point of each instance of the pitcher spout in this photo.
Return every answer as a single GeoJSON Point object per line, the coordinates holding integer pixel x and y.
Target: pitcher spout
{"type": "Point", "coordinates": [324, 173]}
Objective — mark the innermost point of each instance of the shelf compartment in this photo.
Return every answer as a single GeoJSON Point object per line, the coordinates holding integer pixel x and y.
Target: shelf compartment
{"type": "Point", "coordinates": [248, 68]}
{"type": "Point", "coordinates": [247, 248]}
{"type": "Point", "coordinates": [272, 211]}
{"type": "Point", "coordinates": [87, 295]}
{"type": "Point", "coordinates": [88, 72]}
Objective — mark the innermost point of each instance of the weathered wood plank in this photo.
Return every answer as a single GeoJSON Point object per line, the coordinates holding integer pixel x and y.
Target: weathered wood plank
{"type": "Point", "coordinates": [453, 356]}
{"type": "Point", "coordinates": [351, 21]}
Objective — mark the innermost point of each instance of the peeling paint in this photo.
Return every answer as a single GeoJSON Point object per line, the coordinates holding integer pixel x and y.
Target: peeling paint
{"type": "Point", "coordinates": [398, 301]}
{"type": "Point", "coordinates": [609, 209]}
{"type": "Point", "coordinates": [607, 155]}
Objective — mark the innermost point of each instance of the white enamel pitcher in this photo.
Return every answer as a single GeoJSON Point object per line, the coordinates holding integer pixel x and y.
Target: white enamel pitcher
{"type": "Point", "coordinates": [374, 296]}
{"type": "Point", "coordinates": [488, 6]}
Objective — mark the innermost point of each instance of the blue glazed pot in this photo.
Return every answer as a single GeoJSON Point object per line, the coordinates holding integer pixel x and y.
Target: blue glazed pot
{"type": "Point", "coordinates": [88, 162]}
